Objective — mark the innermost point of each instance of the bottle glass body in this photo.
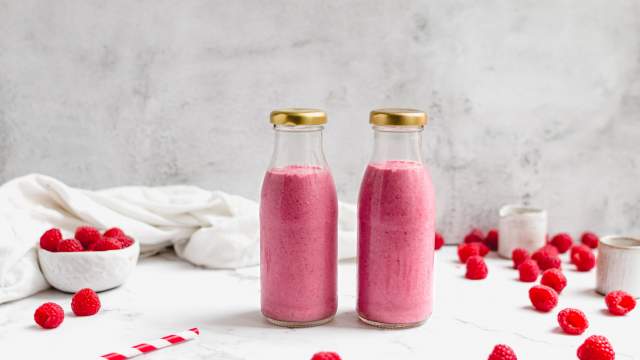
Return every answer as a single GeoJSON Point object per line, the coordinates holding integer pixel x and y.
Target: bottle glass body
{"type": "Point", "coordinates": [396, 229]}
{"type": "Point", "coordinates": [298, 231]}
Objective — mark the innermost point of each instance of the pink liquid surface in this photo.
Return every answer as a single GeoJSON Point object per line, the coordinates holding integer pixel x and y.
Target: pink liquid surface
{"type": "Point", "coordinates": [396, 215]}
{"type": "Point", "coordinates": [298, 237]}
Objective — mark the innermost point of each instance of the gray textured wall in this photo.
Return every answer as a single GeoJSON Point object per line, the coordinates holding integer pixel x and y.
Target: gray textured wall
{"type": "Point", "coordinates": [531, 101]}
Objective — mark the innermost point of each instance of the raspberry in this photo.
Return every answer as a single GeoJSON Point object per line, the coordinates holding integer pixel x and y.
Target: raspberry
{"type": "Point", "coordinates": [547, 250]}
{"type": "Point", "coordinates": [543, 298]}
{"type": "Point", "coordinates": [519, 255]}
{"type": "Point", "coordinates": [50, 239]}
{"type": "Point", "coordinates": [87, 235]}
{"type": "Point", "coordinates": [491, 240]}
{"type": "Point", "coordinates": [590, 239]}
{"type": "Point", "coordinates": [105, 244]}
{"type": "Point", "coordinates": [475, 235]}
{"type": "Point", "coordinates": [125, 241]}
{"type": "Point", "coordinates": [572, 321]}
{"type": "Point", "coordinates": [476, 268]}
{"type": "Point", "coordinates": [596, 347]}
{"type": "Point", "coordinates": [575, 249]}
{"type": "Point", "coordinates": [114, 232]}
{"type": "Point", "coordinates": [562, 242]}
{"type": "Point", "coordinates": [547, 257]}
{"type": "Point", "coordinates": [439, 241]}
{"type": "Point", "coordinates": [502, 352]}
{"type": "Point", "coordinates": [482, 248]}
{"type": "Point", "coordinates": [528, 271]}
{"type": "Point", "coordinates": [325, 355]}
{"type": "Point", "coordinates": [549, 262]}
{"type": "Point", "coordinates": [49, 315]}
{"type": "Point", "coordinates": [554, 279]}
{"type": "Point", "coordinates": [583, 258]}
{"type": "Point", "coordinates": [466, 250]}
{"type": "Point", "coordinates": [70, 245]}
{"type": "Point", "coordinates": [85, 302]}
{"type": "Point", "coordinates": [619, 302]}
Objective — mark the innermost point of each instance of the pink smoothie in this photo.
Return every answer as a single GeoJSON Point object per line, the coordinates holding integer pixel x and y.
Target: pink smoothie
{"type": "Point", "coordinates": [298, 237]}
{"type": "Point", "coordinates": [396, 215]}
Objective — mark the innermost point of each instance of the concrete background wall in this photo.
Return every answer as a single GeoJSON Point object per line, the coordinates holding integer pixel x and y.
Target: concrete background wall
{"type": "Point", "coordinates": [531, 101]}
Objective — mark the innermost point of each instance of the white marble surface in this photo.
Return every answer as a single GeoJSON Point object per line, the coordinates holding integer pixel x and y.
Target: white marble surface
{"type": "Point", "coordinates": [166, 294]}
{"type": "Point", "coordinates": [531, 101]}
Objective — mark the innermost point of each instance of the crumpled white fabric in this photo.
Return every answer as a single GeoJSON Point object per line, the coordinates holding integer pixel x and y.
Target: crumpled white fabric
{"type": "Point", "coordinates": [207, 228]}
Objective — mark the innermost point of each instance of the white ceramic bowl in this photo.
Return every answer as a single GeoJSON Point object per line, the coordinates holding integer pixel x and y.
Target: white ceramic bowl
{"type": "Point", "coordinates": [98, 270]}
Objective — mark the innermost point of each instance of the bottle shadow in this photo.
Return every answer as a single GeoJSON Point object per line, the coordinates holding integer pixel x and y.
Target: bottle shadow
{"type": "Point", "coordinates": [349, 320]}
{"type": "Point", "coordinates": [254, 319]}
{"type": "Point", "coordinates": [244, 319]}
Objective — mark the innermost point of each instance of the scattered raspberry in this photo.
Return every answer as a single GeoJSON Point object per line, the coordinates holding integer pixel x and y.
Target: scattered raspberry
{"type": "Point", "coordinates": [562, 242]}
{"type": "Point", "coordinates": [125, 241]}
{"type": "Point", "coordinates": [547, 250]}
{"type": "Point", "coordinates": [87, 235]}
{"type": "Point", "coordinates": [471, 249]}
{"type": "Point", "coordinates": [85, 303]}
{"type": "Point", "coordinates": [491, 240]}
{"type": "Point", "coordinates": [105, 244]}
{"type": "Point", "coordinates": [50, 239]}
{"type": "Point", "coordinates": [439, 241]}
{"type": "Point", "coordinates": [554, 279]}
{"type": "Point", "coordinates": [543, 298]}
{"type": "Point", "coordinates": [619, 302]}
{"type": "Point", "coordinates": [576, 248]}
{"type": "Point", "coordinates": [482, 248]}
{"type": "Point", "coordinates": [583, 258]}
{"type": "Point", "coordinates": [528, 271]}
{"type": "Point", "coordinates": [70, 245]}
{"type": "Point", "coordinates": [114, 232]}
{"type": "Point", "coordinates": [548, 261]}
{"type": "Point", "coordinates": [596, 347]}
{"type": "Point", "coordinates": [325, 355]}
{"type": "Point", "coordinates": [547, 257]}
{"type": "Point", "coordinates": [519, 255]}
{"type": "Point", "coordinates": [590, 239]}
{"type": "Point", "coordinates": [502, 352]}
{"type": "Point", "coordinates": [474, 236]}
{"type": "Point", "coordinates": [467, 250]}
{"type": "Point", "coordinates": [49, 315]}
{"type": "Point", "coordinates": [572, 321]}
{"type": "Point", "coordinates": [476, 268]}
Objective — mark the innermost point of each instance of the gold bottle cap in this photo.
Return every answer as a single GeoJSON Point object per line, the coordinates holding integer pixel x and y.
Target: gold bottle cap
{"type": "Point", "coordinates": [294, 116]}
{"type": "Point", "coordinates": [398, 117]}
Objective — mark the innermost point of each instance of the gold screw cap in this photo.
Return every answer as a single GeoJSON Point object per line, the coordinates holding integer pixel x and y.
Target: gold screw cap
{"type": "Point", "coordinates": [398, 117]}
{"type": "Point", "coordinates": [294, 117]}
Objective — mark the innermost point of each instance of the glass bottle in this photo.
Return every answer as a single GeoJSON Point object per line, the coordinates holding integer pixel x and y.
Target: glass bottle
{"type": "Point", "coordinates": [298, 224]}
{"type": "Point", "coordinates": [396, 221]}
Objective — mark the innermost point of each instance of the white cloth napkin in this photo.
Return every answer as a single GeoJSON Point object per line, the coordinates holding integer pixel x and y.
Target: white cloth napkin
{"type": "Point", "coordinates": [208, 228]}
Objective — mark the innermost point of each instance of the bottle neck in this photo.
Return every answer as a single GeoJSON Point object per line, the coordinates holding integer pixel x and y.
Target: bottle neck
{"type": "Point", "coordinates": [397, 143]}
{"type": "Point", "coordinates": [298, 145]}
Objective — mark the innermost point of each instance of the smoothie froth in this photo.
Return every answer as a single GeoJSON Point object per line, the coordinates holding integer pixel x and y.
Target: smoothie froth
{"type": "Point", "coordinates": [298, 231]}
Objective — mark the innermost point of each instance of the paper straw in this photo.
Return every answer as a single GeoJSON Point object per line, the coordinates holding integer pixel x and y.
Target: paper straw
{"type": "Point", "coordinates": [152, 345]}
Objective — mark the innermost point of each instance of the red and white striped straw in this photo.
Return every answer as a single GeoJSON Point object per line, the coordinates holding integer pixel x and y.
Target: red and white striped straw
{"type": "Point", "coordinates": [152, 345]}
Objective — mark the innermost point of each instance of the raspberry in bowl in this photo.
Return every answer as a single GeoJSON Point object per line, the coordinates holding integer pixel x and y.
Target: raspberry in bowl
{"type": "Point", "coordinates": [89, 259]}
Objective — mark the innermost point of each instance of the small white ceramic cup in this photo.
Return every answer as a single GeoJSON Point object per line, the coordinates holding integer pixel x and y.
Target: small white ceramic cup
{"type": "Point", "coordinates": [618, 265]}
{"type": "Point", "coordinates": [521, 227]}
